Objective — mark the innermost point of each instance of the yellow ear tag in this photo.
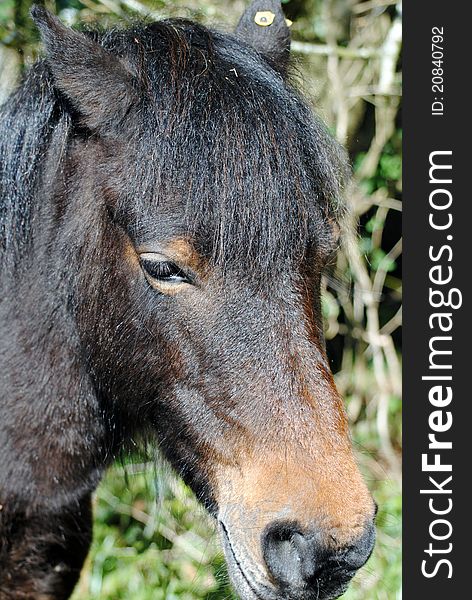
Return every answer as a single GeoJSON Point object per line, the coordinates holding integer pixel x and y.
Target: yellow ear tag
{"type": "Point", "coordinates": [264, 18]}
{"type": "Point", "coordinates": [288, 22]}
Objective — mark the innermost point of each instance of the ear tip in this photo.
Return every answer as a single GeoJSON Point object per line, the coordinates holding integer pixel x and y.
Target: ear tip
{"type": "Point", "coordinates": [264, 26]}
{"type": "Point", "coordinates": [266, 5]}
{"type": "Point", "coordinates": [39, 13]}
{"type": "Point", "coordinates": [44, 19]}
{"type": "Point", "coordinates": [262, 14]}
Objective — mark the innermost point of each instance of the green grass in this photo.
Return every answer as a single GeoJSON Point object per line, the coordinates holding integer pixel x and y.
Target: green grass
{"type": "Point", "coordinates": [153, 541]}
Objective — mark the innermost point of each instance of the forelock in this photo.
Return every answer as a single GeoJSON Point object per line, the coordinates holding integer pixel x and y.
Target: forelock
{"type": "Point", "coordinates": [220, 131]}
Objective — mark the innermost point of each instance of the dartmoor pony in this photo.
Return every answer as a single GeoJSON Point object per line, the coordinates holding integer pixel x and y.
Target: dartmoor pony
{"type": "Point", "coordinates": [168, 202]}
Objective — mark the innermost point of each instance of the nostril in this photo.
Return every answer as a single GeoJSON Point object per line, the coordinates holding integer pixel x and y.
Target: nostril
{"type": "Point", "coordinates": [280, 548]}
{"type": "Point", "coordinates": [291, 557]}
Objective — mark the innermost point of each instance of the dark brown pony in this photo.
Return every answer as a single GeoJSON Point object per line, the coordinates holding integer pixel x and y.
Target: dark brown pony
{"type": "Point", "coordinates": [168, 203]}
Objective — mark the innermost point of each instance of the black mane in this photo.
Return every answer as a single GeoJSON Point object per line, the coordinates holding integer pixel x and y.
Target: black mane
{"type": "Point", "coordinates": [218, 128]}
{"type": "Point", "coordinates": [27, 121]}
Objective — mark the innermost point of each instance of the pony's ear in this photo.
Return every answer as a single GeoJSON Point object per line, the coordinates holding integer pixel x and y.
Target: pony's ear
{"type": "Point", "coordinates": [264, 26]}
{"type": "Point", "coordinates": [96, 82]}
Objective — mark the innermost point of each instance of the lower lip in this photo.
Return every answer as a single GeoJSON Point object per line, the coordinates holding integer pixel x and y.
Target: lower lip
{"type": "Point", "coordinates": [230, 551]}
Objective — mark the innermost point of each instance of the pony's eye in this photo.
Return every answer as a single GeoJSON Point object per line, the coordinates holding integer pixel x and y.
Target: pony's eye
{"type": "Point", "coordinates": [164, 275]}
{"type": "Point", "coordinates": [163, 271]}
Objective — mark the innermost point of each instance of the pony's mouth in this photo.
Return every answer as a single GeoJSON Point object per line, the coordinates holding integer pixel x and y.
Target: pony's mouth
{"type": "Point", "coordinates": [250, 587]}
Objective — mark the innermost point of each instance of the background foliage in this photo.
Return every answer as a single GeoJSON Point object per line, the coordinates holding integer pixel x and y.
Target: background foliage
{"type": "Point", "coordinates": [348, 61]}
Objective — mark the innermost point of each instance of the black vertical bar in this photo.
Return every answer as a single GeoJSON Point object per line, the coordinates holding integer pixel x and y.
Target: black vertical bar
{"type": "Point", "coordinates": [437, 120]}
